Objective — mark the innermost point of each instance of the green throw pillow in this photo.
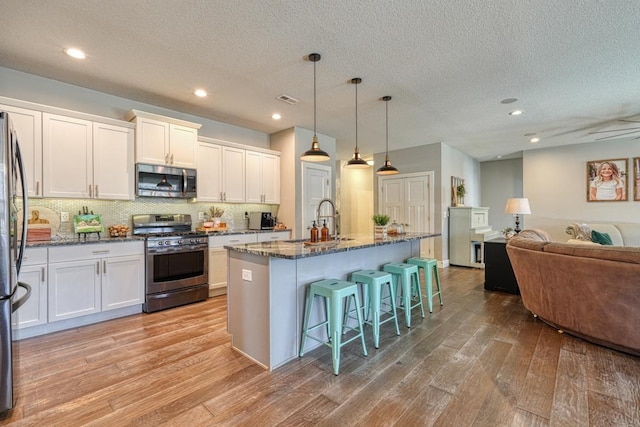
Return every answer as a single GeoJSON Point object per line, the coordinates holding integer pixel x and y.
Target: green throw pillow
{"type": "Point", "coordinates": [602, 238]}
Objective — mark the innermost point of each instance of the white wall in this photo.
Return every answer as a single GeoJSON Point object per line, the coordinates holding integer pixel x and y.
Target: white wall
{"type": "Point", "coordinates": [555, 183]}
{"type": "Point", "coordinates": [28, 87]}
{"type": "Point", "coordinates": [356, 200]}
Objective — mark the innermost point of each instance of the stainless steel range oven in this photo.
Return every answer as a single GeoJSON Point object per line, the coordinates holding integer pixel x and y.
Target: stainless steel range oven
{"type": "Point", "coordinates": [177, 261]}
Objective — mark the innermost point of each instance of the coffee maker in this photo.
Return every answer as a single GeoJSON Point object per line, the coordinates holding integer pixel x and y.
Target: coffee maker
{"type": "Point", "coordinates": [261, 221]}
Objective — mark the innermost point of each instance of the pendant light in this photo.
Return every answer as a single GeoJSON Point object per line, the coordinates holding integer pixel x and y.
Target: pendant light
{"type": "Point", "coordinates": [387, 169]}
{"type": "Point", "coordinates": [356, 162]}
{"type": "Point", "coordinates": [314, 154]}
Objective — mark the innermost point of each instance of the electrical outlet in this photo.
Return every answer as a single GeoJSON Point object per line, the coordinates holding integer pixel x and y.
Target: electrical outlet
{"type": "Point", "coordinates": [246, 275]}
{"type": "Point", "coordinates": [200, 215]}
{"type": "Point", "coordinates": [64, 216]}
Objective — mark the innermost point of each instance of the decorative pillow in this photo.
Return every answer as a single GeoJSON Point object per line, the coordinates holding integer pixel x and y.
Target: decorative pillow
{"type": "Point", "coordinates": [580, 231]}
{"type": "Point", "coordinates": [602, 238]}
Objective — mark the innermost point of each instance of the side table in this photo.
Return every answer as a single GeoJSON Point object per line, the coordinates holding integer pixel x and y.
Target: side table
{"type": "Point", "coordinates": [498, 273]}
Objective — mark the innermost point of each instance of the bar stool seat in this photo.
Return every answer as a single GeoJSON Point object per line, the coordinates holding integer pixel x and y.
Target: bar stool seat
{"type": "Point", "coordinates": [409, 286]}
{"type": "Point", "coordinates": [375, 282]}
{"type": "Point", "coordinates": [430, 267]}
{"type": "Point", "coordinates": [334, 292]}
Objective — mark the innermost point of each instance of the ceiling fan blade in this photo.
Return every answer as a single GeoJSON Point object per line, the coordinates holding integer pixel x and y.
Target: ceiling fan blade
{"type": "Point", "coordinates": [613, 130]}
{"type": "Point", "coordinates": [616, 136]}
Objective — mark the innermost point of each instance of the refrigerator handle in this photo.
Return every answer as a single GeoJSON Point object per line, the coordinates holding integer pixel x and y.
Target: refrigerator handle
{"type": "Point", "coordinates": [16, 305]}
{"type": "Point", "coordinates": [25, 209]}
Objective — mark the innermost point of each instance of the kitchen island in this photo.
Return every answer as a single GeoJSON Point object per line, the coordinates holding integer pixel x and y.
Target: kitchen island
{"type": "Point", "coordinates": [267, 284]}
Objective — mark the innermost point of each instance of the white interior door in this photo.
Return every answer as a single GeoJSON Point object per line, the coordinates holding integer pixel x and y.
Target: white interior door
{"type": "Point", "coordinates": [316, 185]}
{"type": "Point", "coordinates": [409, 199]}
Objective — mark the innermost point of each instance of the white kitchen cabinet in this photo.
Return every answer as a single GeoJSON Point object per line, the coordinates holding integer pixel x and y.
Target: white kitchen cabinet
{"type": "Point", "coordinates": [121, 281]}
{"type": "Point", "coordinates": [113, 166]}
{"type": "Point", "coordinates": [218, 259]}
{"type": "Point", "coordinates": [84, 159]}
{"type": "Point", "coordinates": [233, 175]}
{"type": "Point", "coordinates": [34, 273]}
{"type": "Point", "coordinates": [273, 236]}
{"type": "Point", "coordinates": [85, 280]}
{"type": "Point", "coordinates": [28, 125]}
{"type": "Point", "coordinates": [263, 177]}
{"type": "Point", "coordinates": [164, 141]}
{"type": "Point", "coordinates": [67, 157]}
{"type": "Point", "coordinates": [209, 166]}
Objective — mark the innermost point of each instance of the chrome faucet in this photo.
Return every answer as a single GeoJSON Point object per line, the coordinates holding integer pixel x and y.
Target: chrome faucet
{"type": "Point", "coordinates": [333, 215]}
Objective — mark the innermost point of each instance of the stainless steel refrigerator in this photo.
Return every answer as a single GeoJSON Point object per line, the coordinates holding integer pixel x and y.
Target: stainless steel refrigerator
{"type": "Point", "coordinates": [13, 197]}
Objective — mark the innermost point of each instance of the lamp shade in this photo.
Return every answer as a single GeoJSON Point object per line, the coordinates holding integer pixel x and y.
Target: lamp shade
{"type": "Point", "coordinates": [517, 206]}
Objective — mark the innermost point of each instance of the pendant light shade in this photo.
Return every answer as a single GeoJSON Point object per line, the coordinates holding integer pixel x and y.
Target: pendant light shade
{"type": "Point", "coordinates": [387, 169]}
{"type": "Point", "coordinates": [315, 153]}
{"type": "Point", "coordinates": [356, 162]}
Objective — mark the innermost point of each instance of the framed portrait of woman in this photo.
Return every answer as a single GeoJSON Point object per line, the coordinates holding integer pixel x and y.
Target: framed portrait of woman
{"type": "Point", "coordinates": [607, 180]}
{"type": "Point", "coordinates": [636, 178]}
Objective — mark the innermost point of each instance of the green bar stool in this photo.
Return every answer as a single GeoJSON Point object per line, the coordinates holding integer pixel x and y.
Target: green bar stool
{"type": "Point", "coordinates": [374, 282]}
{"type": "Point", "coordinates": [334, 292]}
{"type": "Point", "coordinates": [410, 285]}
{"type": "Point", "coordinates": [430, 267]}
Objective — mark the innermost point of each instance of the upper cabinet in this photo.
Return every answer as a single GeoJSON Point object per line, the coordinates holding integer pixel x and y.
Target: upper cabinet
{"type": "Point", "coordinates": [262, 177]}
{"type": "Point", "coordinates": [28, 125]}
{"type": "Point", "coordinates": [230, 173]}
{"type": "Point", "coordinates": [163, 140]}
{"type": "Point", "coordinates": [84, 159]}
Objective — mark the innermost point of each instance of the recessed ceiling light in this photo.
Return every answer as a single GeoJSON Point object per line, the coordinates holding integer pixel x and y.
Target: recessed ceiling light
{"type": "Point", "coordinates": [499, 156]}
{"type": "Point", "coordinates": [516, 112]}
{"type": "Point", "coordinates": [276, 116]}
{"type": "Point", "coordinates": [534, 140]}
{"type": "Point", "coordinates": [74, 53]}
{"type": "Point", "coordinates": [508, 101]}
{"type": "Point", "coordinates": [200, 92]}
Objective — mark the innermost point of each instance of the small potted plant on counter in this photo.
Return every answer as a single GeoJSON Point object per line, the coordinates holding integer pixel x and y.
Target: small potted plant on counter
{"type": "Point", "coordinates": [508, 232]}
{"type": "Point", "coordinates": [380, 222]}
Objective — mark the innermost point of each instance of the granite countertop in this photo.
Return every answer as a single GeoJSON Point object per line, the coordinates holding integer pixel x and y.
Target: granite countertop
{"type": "Point", "coordinates": [93, 238]}
{"type": "Point", "coordinates": [294, 249]}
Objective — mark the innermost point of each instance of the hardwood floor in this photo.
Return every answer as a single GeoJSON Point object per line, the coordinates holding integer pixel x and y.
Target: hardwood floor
{"type": "Point", "coordinates": [480, 360]}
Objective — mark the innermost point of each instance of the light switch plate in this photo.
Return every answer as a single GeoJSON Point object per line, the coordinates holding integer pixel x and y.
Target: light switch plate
{"type": "Point", "coordinates": [246, 275]}
{"type": "Point", "coordinates": [64, 216]}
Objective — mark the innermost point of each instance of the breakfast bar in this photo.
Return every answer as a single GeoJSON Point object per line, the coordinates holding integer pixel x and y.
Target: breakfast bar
{"type": "Point", "coordinates": [267, 284]}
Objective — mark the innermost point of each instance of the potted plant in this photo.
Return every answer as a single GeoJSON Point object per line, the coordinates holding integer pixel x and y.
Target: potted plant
{"type": "Point", "coordinates": [507, 232]}
{"type": "Point", "coordinates": [460, 191]}
{"type": "Point", "coordinates": [380, 222]}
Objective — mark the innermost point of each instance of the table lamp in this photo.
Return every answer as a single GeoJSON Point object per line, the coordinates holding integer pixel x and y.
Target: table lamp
{"type": "Point", "coordinates": [517, 206]}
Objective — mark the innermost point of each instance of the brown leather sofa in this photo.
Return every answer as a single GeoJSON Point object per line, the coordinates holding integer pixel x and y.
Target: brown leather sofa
{"type": "Point", "coordinates": [592, 292]}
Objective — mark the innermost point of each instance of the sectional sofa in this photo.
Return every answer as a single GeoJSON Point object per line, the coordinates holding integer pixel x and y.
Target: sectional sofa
{"type": "Point", "coordinates": [590, 291]}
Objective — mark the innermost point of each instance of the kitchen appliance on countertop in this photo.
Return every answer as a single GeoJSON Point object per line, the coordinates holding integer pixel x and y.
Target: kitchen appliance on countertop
{"type": "Point", "coordinates": [177, 261]}
{"type": "Point", "coordinates": [165, 181]}
{"type": "Point", "coordinates": [13, 294]}
{"type": "Point", "coordinates": [261, 221]}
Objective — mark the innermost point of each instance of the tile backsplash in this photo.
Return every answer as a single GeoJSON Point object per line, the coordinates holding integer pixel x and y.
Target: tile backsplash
{"type": "Point", "coordinates": [120, 212]}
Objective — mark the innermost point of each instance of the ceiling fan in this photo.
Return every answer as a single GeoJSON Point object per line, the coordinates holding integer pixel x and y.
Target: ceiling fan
{"type": "Point", "coordinates": [620, 128]}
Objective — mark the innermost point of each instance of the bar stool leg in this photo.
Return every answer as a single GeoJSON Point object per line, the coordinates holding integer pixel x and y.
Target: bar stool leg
{"type": "Point", "coordinates": [416, 277]}
{"type": "Point", "coordinates": [437, 274]}
{"type": "Point", "coordinates": [336, 332]}
{"type": "Point", "coordinates": [305, 327]}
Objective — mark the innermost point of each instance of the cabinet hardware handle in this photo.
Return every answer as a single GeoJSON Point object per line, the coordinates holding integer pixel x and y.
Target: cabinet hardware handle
{"type": "Point", "coordinates": [166, 159]}
{"type": "Point", "coordinates": [225, 196]}
{"type": "Point", "coordinates": [98, 268]}
{"type": "Point", "coordinates": [90, 191]}
{"type": "Point", "coordinates": [97, 192]}
{"type": "Point", "coordinates": [104, 267]}
{"type": "Point", "coordinates": [221, 196]}
{"type": "Point", "coordinates": [104, 251]}
{"type": "Point", "coordinates": [172, 159]}
{"type": "Point", "coordinates": [37, 188]}
{"type": "Point", "coordinates": [42, 275]}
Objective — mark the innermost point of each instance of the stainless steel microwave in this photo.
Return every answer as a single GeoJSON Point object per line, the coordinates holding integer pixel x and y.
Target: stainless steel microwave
{"type": "Point", "coordinates": [165, 181]}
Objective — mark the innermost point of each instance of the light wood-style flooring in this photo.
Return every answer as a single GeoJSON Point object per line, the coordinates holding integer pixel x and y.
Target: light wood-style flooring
{"type": "Point", "coordinates": [480, 360]}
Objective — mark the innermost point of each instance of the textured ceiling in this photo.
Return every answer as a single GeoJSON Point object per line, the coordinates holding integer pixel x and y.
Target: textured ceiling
{"type": "Point", "coordinates": [572, 65]}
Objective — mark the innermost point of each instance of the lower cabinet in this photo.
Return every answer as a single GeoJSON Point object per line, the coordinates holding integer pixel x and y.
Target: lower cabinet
{"type": "Point", "coordinates": [34, 274]}
{"type": "Point", "coordinates": [218, 255]}
{"type": "Point", "coordinates": [90, 279]}
{"type": "Point", "coordinates": [218, 260]}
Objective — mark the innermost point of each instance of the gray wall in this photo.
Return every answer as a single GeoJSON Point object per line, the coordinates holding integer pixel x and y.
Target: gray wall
{"type": "Point", "coordinates": [500, 180]}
